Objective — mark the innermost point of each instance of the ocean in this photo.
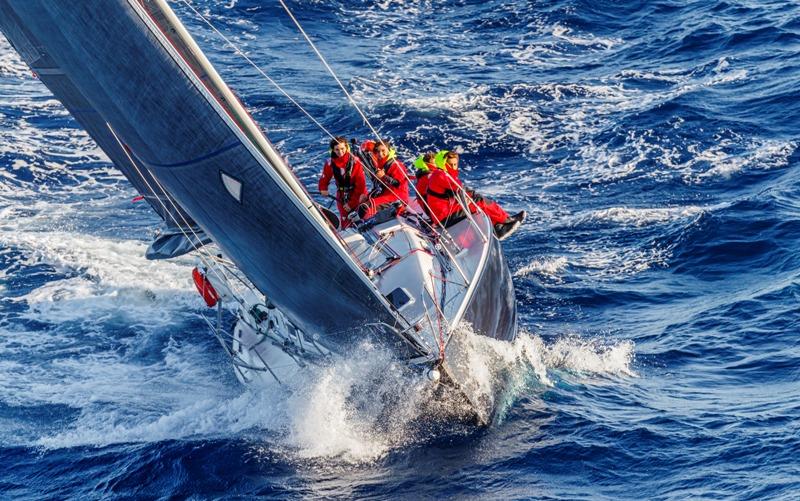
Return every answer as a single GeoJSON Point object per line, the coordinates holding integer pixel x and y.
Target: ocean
{"type": "Point", "coordinates": [654, 146]}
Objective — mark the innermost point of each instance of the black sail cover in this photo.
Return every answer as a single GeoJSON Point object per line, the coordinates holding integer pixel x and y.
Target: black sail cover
{"type": "Point", "coordinates": [134, 79]}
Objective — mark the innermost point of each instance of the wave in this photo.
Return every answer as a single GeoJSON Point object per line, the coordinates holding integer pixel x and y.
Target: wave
{"type": "Point", "coordinates": [547, 268]}
{"type": "Point", "coordinates": [357, 410]}
{"type": "Point", "coordinates": [637, 216]}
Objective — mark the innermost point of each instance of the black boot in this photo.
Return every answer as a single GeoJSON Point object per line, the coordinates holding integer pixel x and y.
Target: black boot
{"type": "Point", "coordinates": [504, 230]}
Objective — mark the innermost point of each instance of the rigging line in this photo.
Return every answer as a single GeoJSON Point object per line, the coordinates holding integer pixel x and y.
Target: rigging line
{"type": "Point", "coordinates": [430, 322]}
{"type": "Point", "coordinates": [465, 207]}
{"type": "Point", "coordinates": [439, 316]}
{"type": "Point", "coordinates": [225, 278]}
{"type": "Point", "coordinates": [330, 70]}
{"type": "Point", "coordinates": [160, 200]}
{"type": "Point", "coordinates": [164, 206]}
{"type": "Point", "coordinates": [277, 86]}
{"type": "Point", "coordinates": [424, 202]}
{"type": "Point", "coordinates": [257, 68]}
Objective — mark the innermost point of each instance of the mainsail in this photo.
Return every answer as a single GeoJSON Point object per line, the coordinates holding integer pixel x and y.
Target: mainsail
{"type": "Point", "coordinates": [79, 107]}
{"type": "Point", "coordinates": [134, 78]}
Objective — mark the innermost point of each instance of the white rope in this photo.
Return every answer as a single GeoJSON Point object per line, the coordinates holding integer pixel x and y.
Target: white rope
{"type": "Point", "coordinates": [257, 68]}
{"type": "Point", "coordinates": [330, 70]}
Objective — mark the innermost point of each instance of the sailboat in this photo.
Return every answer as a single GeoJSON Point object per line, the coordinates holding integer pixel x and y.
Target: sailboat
{"type": "Point", "coordinates": [303, 291]}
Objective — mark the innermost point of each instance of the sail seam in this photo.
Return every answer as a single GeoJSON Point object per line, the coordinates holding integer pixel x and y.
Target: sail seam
{"type": "Point", "coordinates": [198, 159]}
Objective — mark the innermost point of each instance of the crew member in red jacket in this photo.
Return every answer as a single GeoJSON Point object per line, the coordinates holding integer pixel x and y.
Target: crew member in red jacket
{"type": "Point", "coordinates": [390, 178]}
{"type": "Point", "coordinates": [443, 187]}
{"type": "Point", "coordinates": [347, 170]}
{"type": "Point", "coordinates": [441, 197]}
{"type": "Point", "coordinates": [424, 166]}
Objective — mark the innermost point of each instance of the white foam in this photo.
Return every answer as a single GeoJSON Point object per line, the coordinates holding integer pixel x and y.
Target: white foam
{"type": "Point", "coordinates": [591, 356]}
{"type": "Point", "coordinates": [608, 262]}
{"type": "Point", "coordinates": [550, 268]}
{"type": "Point", "coordinates": [638, 216]}
{"type": "Point", "coordinates": [759, 155]}
{"type": "Point", "coordinates": [179, 396]}
{"type": "Point", "coordinates": [11, 64]}
{"type": "Point", "coordinates": [487, 368]}
{"type": "Point", "coordinates": [355, 411]}
{"type": "Point", "coordinates": [565, 33]}
{"type": "Point", "coordinates": [104, 276]}
{"type": "Point", "coordinates": [538, 54]}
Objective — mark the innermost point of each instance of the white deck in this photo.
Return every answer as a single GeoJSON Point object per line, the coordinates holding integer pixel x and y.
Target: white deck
{"type": "Point", "coordinates": [438, 278]}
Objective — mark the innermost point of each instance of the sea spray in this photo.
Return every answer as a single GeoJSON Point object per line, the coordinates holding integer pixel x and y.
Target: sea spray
{"type": "Point", "coordinates": [365, 405]}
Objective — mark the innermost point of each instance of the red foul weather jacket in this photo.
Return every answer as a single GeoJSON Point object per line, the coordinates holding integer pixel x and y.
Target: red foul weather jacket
{"type": "Point", "coordinates": [393, 185]}
{"type": "Point", "coordinates": [441, 197]}
{"type": "Point", "coordinates": [350, 181]}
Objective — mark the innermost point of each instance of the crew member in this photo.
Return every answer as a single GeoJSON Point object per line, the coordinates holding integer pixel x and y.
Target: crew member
{"type": "Point", "coordinates": [444, 185]}
{"type": "Point", "coordinates": [390, 180]}
{"type": "Point", "coordinates": [440, 194]}
{"type": "Point", "coordinates": [424, 166]}
{"type": "Point", "coordinates": [347, 170]}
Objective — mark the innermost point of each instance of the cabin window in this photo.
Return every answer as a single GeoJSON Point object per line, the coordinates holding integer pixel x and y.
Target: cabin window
{"type": "Point", "coordinates": [400, 298]}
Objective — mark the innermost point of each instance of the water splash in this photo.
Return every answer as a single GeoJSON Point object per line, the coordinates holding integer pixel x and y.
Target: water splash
{"type": "Point", "coordinates": [354, 411]}
{"type": "Point", "coordinates": [550, 268]}
{"type": "Point", "coordinates": [594, 356]}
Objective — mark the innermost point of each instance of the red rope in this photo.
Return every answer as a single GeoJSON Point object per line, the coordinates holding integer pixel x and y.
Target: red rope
{"type": "Point", "coordinates": [438, 318]}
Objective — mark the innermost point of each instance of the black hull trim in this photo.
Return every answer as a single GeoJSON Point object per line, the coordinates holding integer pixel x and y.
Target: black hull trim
{"type": "Point", "coordinates": [492, 309]}
{"type": "Point", "coordinates": [491, 312]}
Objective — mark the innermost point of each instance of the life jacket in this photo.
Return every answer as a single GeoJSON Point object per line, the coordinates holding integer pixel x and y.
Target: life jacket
{"type": "Point", "coordinates": [421, 166]}
{"type": "Point", "coordinates": [439, 159]}
{"type": "Point", "coordinates": [446, 194]}
{"type": "Point", "coordinates": [344, 180]}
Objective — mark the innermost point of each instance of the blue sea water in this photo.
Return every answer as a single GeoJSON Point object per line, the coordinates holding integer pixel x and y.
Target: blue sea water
{"type": "Point", "coordinates": [655, 148]}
